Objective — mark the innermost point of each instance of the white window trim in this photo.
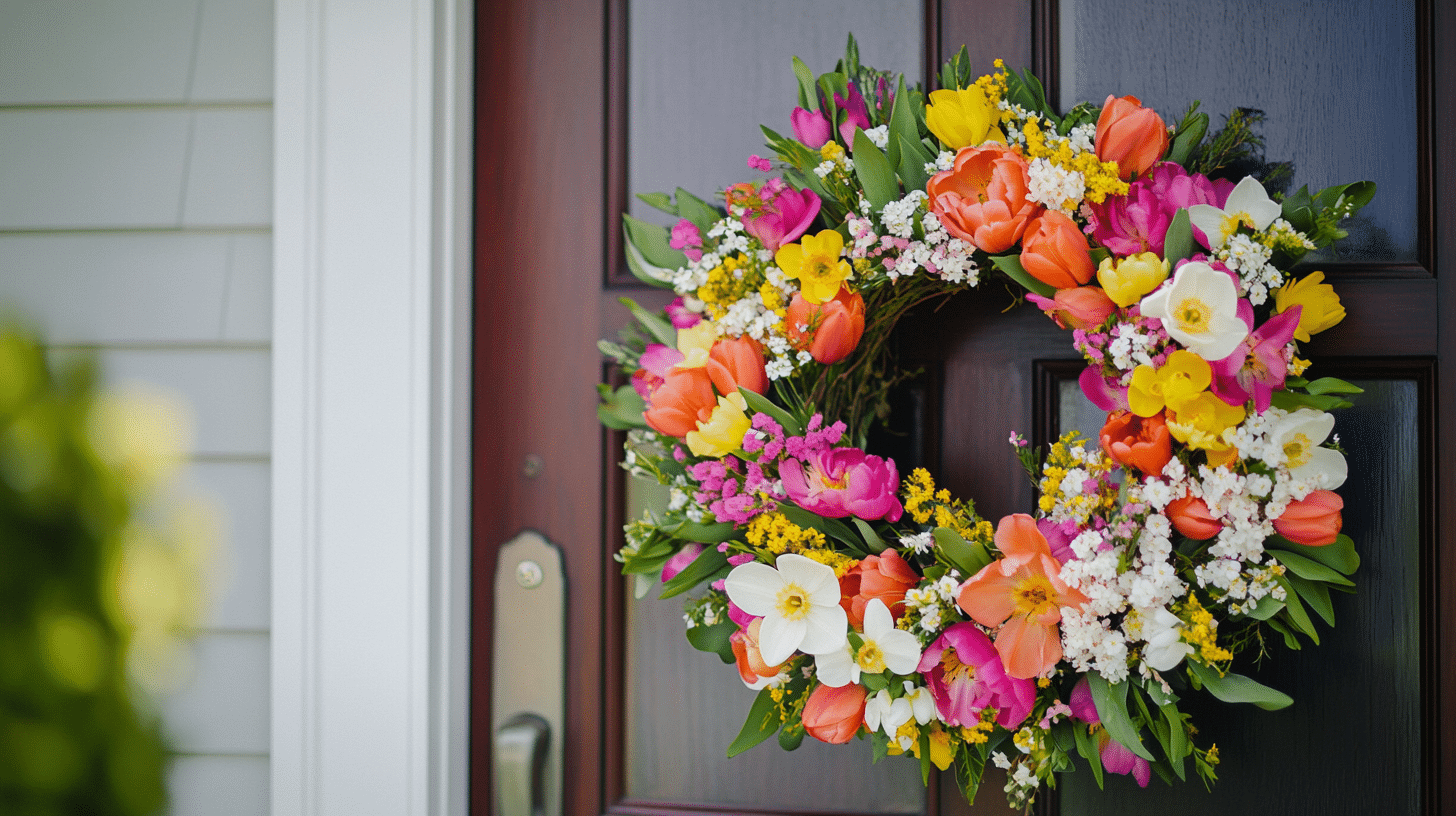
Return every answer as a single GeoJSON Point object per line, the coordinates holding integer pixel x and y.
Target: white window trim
{"type": "Point", "coordinates": [371, 404]}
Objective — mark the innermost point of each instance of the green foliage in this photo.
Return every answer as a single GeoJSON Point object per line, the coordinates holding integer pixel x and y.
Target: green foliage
{"type": "Point", "coordinates": [76, 736]}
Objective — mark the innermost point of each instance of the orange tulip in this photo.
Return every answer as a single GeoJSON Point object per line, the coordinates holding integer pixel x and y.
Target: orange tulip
{"type": "Point", "coordinates": [1021, 596]}
{"type": "Point", "coordinates": [1137, 442]}
{"type": "Point", "coordinates": [1081, 308]}
{"type": "Point", "coordinates": [1055, 252]}
{"type": "Point", "coordinates": [1313, 521]}
{"type": "Point", "coordinates": [1133, 136]}
{"type": "Point", "coordinates": [834, 714]}
{"type": "Point", "coordinates": [1190, 517]}
{"type": "Point", "coordinates": [685, 397]}
{"type": "Point", "coordinates": [751, 667]}
{"type": "Point", "coordinates": [983, 197]}
{"type": "Point", "coordinates": [885, 576]}
{"type": "Point", "coordinates": [832, 329]}
{"type": "Point", "coordinates": [735, 362]}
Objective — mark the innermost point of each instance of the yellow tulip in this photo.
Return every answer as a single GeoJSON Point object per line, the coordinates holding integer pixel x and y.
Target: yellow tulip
{"type": "Point", "coordinates": [694, 344]}
{"type": "Point", "coordinates": [963, 118]}
{"type": "Point", "coordinates": [723, 432]}
{"type": "Point", "coordinates": [1201, 422]}
{"type": "Point", "coordinates": [1321, 306]}
{"type": "Point", "coordinates": [1127, 280]}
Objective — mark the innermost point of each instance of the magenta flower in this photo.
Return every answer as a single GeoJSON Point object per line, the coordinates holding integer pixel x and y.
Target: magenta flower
{"type": "Point", "coordinates": [681, 316]}
{"type": "Point", "coordinates": [841, 482]}
{"type": "Point", "coordinates": [1138, 222]}
{"type": "Point", "coordinates": [964, 674]}
{"type": "Point", "coordinates": [1256, 368]}
{"type": "Point", "coordinates": [680, 561]}
{"type": "Point", "coordinates": [685, 236]}
{"type": "Point", "coordinates": [1107, 396]}
{"type": "Point", "coordinates": [654, 364]}
{"type": "Point", "coordinates": [783, 217]}
{"type": "Point", "coordinates": [1116, 757]}
{"type": "Point", "coordinates": [811, 127]}
{"type": "Point", "coordinates": [856, 114]}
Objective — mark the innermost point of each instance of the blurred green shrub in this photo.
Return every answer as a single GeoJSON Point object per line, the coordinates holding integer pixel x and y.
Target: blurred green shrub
{"type": "Point", "coordinates": [99, 568]}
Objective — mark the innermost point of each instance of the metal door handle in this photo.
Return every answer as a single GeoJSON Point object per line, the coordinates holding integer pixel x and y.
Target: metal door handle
{"type": "Point", "coordinates": [528, 677]}
{"type": "Point", "coordinates": [520, 764]}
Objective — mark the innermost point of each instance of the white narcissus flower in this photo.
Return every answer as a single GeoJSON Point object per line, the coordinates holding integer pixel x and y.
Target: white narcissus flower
{"type": "Point", "coordinates": [1165, 648]}
{"type": "Point", "coordinates": [1248, 204]}
{"type": "Point", "coordinates": [1299, 436]}
{"type": "Point", "coordinates": [882, 647]}
{"type": "Point", "coordinates": [798, 600]}
{"type": "Point", "coordinates": [883, 713]}
{"type": "Point", "coordinates": [1200, 309]}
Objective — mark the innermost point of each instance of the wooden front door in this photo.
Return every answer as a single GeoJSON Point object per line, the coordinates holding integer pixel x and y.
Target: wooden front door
{"type": "Point", "coordinates": [552, 141]}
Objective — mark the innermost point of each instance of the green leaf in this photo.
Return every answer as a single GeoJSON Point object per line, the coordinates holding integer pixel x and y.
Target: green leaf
{"type": "Point", "coordinates": [659, 201]}
{"type": "Point", "coordinates": [967, 557]}
{"type": "Point", "coordinates": [1339, 556]}
{"type": "Point", "coordinates": [874, 682]}
{"type": "Point", "coordinates": [1267, 607]}
{"type": "Point", "coordinates": [1236, 688]}
{"type": "Point", "coordinates": [658, 276]}
{"type": "Point", "coordinates": [763, 405]}
{"type": "Point", "coordinates": [872, 539]}
{"type": "Point", "coordinates": [652, 241]}
{"type": "Point", "coordinates": [714, 639]}
{"type": "Point", "coordinates": [1295, 613]}
{"type": "Point", "coordinates": [834, 528]}
{"type": "Point", "coordinates": [656, 324]}
{"type": "Point", "coordinates": [903, 123]}
{"type": "Point", "coordinates": [622, 410]}
{"type": "Point", "coordinates": [808, 99]}
{"type": "Point", "coordinates": [1087, 747]}
{"type": "Point", "coordinates": [1332, 385]}
{"type": "Point", "coordinates": [701, 213]}
{"type": "Point", "coordinates": [1011, 265]}
{"type": "Point", "coordinates": [1293, 401]}
{"type": "Point", "coordinates": [1309, 568]}
{"type": "Point", "coordinates": [704, 533]}
{"type": "Point", "coordinates": [1289, 638]}
{"type": "Point", "coordinates": [1189, 135]}
{"type": "Point", "coordinates": [762, 722]}
{"type": "Point", "coordinates": [705, 566]}
{"type": "Point", "coordinates": [1178, 243]}
{"type": "Point", "coordinates": [791, 738]}
{"type": "Point", "coordinates": [874, 173]}
{"type": "Point", "coordinates": [1111, 703]}
{"type": "Point", "coordinates": [1178, 747]}
{"type": "Point", "coordinates": [1317, 595]}
{"type": "Point", "coordinates": [912, 165]}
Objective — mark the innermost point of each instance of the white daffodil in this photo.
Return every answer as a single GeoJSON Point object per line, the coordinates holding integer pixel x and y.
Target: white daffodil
{"type": "Point", "coordinates": [882, 647]}
{"type": "Point", "coordinates": [1299, 436]}
{"type": "Point", "coordinates": [883, 713]}
{"type": "Point", "coordinates": [1165, 648]}
{"type": "Point", "coordinates": [922, 702]}
{"type": "Point", "coordinates": [1247, 204]}
{"type": "Point", "coordinates": [798, 600]}
{"type": "Point", "coordinates": [1200, 309]}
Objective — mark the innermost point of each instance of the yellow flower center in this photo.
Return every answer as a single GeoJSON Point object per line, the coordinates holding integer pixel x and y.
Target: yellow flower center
{"type": "Point", "coordinates": [953, 669]}
{"type": "Point", "coordinates": [1034, 596]}
{"type": "Point", "coordinates": [1297, 451]}
{"type": "Point", "coordinates": [793, 602]}
{"type": "Point", "coordinates": [871, 658]}
{"type": "Point", "coordinates": [1192, 316]}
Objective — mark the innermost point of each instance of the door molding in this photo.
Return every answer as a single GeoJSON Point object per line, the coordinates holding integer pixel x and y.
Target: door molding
{"type": "Point", "coordinates": [372, 152]}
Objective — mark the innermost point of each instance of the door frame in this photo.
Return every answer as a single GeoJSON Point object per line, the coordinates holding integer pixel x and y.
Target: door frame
{"type": "Point", "coordinates": [540, 190]}
{"type": "Point", "coordinates": [373, 115]}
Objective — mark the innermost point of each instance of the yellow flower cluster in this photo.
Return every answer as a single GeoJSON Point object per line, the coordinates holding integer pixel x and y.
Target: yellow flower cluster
{"type": "Point", "coordinates": [1099, 177]}
{"type": "Point", "coordinates": [729, 282]}
{"type": "Point", "coordinates": [993, 85]}
{"type": "Point", "coordinates": [1059, 461]}
{"type": "Point", "coordinates": [981, 731]}
{"type": "Point", "coordinates": [774, 533]}
{"type": "Point", "coordinates": [924, 503]}
{"type": "Point", "coordinates": [1202, 631]}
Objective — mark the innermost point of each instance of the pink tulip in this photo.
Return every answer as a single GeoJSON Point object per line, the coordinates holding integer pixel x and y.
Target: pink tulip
{"type": "Point", "coordinates": [654, 364]}
{"type": "Point", "coordinates": [1116, 757]}
{"type": "Point", "coordinates": [783, 216]}
{"type": "Point", "coordinates": [811, 127]}
{"type": "Point", "coordinates": [856, 114]}
{"type": "Point", "coordinates": [680, 561]}
{"type": "Point", "coordinates": [840, 482]}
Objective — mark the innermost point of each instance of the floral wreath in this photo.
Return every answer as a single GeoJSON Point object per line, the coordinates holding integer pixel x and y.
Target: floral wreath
{"type": "Point", "coordinates": [860, 603]}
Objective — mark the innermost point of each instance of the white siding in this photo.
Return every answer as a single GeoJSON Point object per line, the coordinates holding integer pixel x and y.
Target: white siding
{"type": "Point", "coordinates": [135, 222]}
